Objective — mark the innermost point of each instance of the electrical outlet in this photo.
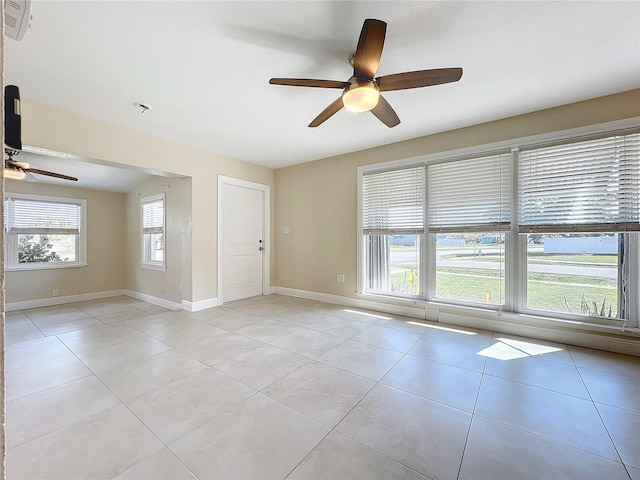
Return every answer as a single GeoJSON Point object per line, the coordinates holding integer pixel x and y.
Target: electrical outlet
{"type": "Point", "coordinates": [55, 292]}
{"type": "Point", "coordinates": [340, 277]}
{"type": "Point", "coordinates": [286, 230]}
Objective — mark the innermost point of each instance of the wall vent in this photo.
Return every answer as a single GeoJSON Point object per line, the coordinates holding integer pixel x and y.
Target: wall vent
{"type": "Point", "coordinates": [17, 18]}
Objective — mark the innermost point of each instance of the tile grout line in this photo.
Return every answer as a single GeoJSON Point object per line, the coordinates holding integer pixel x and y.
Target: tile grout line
{"type": "Point", "coordinates": [147, 428]}
{"type": "Point", "coordinates": [615, 447]}
{"type": "Point", "coordinates": [315, 360]}
{"type": "Point", "coordinates": [473, 414]}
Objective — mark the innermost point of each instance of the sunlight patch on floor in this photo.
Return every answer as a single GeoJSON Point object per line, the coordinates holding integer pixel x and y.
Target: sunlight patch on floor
{"type": "Point", "coordinates": [447, 329]}
{"type": "Point", "coordinates": [367, 314]}
{"type": "Point", "coordinates": [508, 349]}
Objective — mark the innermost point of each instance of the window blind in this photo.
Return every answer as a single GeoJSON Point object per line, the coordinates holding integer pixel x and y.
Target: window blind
{"type": "Point", "coordinates": [393, 201]}
{"type": "Point", "coordinates": [470, 195]}
{"type": "Point", "coordinates": [153, 216]}
{"type": "Point", "coordinates": [589, 186]}
{"type": "Point", "coordinates": [41, 217]}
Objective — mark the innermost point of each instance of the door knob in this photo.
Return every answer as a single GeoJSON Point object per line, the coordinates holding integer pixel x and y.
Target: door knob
{"type": "Point", "coordinates": [260, 248]}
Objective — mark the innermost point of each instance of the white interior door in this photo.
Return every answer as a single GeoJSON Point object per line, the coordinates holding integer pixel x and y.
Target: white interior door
{"type": "Point", "coordinates": [243, 241]}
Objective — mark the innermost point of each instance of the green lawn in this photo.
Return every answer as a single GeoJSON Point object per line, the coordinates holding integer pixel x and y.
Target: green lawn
{"type": "Point", "coordinates": [469, 288]}
{"type": "Point", "coordinates": [559, 293]}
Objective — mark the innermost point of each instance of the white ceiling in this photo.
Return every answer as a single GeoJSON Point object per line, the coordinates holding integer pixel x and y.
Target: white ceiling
{"type": "Point", "coordinates": [90, 173]}
{"type": "Point", "coordinates": [204, 66]}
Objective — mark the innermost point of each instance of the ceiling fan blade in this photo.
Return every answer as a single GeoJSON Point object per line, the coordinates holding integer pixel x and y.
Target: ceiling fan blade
{"type": "Point", "coordinates": [327, 113]}
{"type": "Point", "coordinates": [50, 174]}
{"type": "Point", "coordinates": [369, 51]}
{"type": "Point", "coordinates": [20, 164]}
{"type": "Point", "coordinates": [307, 82]}
{"type": "Point", "coordinates": [385, 113]}
{"type": "Point", "coordinates": [420, 78]}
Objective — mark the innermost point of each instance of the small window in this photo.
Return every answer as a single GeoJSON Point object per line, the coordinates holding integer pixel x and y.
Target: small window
{"type": "Point", "coordinates": [153, 238]}
{"type": "Point", "coordinates": [44, 232]}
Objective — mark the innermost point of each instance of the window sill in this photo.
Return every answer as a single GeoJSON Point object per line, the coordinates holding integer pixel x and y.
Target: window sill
{"type": "Point", "coordinates": [44, 266]}
{"type": "Point", "coordinates": [442, 312]}
{"type": "Point", "coordinates": [529, 319]}
{"type": "Point", "coordinates": [374, 297]}
{"type": "Point", "coordinates": [150, 266]}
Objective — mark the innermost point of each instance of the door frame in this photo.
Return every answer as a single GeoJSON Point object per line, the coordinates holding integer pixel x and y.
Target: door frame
{"type": "Point", "coordinates": [266, 227]}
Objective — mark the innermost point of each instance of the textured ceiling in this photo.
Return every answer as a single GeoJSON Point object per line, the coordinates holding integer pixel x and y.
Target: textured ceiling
{"type": "Point", "coordinates": [204, 66]}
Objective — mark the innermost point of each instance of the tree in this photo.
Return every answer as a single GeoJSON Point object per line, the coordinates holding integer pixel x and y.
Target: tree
{"type": "Point", "coordinates": [32, 250]}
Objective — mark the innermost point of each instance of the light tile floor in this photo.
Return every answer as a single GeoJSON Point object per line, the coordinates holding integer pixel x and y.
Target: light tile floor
{"type": "Point", "coordinates": [279, 387]}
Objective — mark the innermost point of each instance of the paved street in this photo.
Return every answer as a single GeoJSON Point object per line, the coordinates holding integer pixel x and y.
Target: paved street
{"type": "Point", "coordinates": [409, 256]}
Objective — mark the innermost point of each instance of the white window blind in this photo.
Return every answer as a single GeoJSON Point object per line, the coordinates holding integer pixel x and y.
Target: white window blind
{"type": "Point", "coordinates": [393, 201]}
{"type": "Point", "coordinates": [153, 216]}
{"type": "Point", "coordinates": [24, 216]}
{"type": "Point", "coordinates": [470, 195]}
{"type": "Point", "coordinates": [589, 186]}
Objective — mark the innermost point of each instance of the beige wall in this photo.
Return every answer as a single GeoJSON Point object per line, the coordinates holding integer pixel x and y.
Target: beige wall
{"type": "Point", "coordinates": [168, 284]}
{"type": "Point", "coordinates": [105, 251]}
{"type": "Point", "coordinates": [56, 129]}
{"type": "Point", "coordinates": [317, 200]}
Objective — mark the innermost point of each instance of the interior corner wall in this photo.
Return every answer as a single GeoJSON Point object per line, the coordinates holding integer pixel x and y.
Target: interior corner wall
{"type": "Point", "coordinates": [169, 283]}
{"type": "Point", "coordinates": [105, 248]}
{"type": "Point", "coordinates": [318, 200]}
{"type": "Point", "coordinates": [3, 443]}
{"type": "Point", "coordinates": [56, 129]}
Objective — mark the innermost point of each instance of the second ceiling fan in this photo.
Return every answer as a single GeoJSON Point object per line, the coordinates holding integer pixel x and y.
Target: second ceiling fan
{"type": "Point", "coordinates": [361, 92]}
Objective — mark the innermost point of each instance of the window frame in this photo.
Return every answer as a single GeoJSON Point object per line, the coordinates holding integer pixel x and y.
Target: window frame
{"type": "Point", "coordinates": [515, 243]}
{"type": "Point", "coordinates": [11, 239]}
{"type": "Point", "coordinates": [145, 238]}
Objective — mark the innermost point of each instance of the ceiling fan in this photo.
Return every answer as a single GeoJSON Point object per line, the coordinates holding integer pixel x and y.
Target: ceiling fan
{"type": "Point", "coordinates": [361, 92]}
{"type": "Point", "coordinates": [20, 170]}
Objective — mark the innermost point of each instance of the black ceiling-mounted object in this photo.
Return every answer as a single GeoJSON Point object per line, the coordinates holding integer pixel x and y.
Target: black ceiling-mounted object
{"type": "Point", "coordinates": [13, 140]}
{"type": "Point", "coordinates": [12, 120]}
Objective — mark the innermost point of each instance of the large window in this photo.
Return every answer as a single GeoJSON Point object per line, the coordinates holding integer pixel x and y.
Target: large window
{"type": "Point", "coordinates": [548, 229]}
{"type": "Point", "coordinates": [44, 232]}
{"type": "Point", "coordinates": [153, 234]}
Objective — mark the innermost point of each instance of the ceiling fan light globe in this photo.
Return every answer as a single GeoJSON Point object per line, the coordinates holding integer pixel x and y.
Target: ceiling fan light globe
{"type": "Point", "coordinates": [14, 174]}
{"type": "Point", "coordinates": [361, 98]}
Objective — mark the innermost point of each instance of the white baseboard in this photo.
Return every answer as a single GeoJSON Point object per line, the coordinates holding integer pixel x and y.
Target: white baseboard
{"type": "Point", "coordinates": [405, 310]}
{"type": "Point", "coordinates": [161, 302]}
{"type": "Point", "coordinates": [83, 297]}
{"type": "Point", "coordinates": [199, 305]}
{"type": "Point", "coordinates": [600, 338]}
{"type": "Point", "coordinates": [48, 302]}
